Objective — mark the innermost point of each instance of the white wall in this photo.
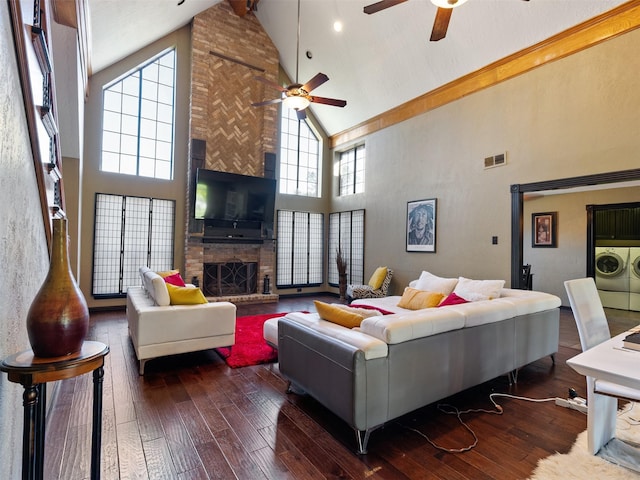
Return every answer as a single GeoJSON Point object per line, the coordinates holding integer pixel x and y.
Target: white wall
{"type": "Point", "coordinates": [573, 117]}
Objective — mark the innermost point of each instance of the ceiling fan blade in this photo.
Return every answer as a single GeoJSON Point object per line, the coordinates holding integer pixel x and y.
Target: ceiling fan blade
{"type": "Point", "coordinates": [382, 5]}
{"type": "Point", "coordinates": [329, 101]}
{"type": "Point", "coordinates": [315, 82]}
{"type": "Point", "coordinates": [267, 102]}
{"type": "Point", "coordinates": [441, 23]}
{"type": "Point", "coordinates": [270, 83]}
{"type": "Point", "coordinates": [302, 114]}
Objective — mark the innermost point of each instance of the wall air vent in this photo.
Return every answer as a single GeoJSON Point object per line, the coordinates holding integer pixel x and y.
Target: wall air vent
{"type": "Point", "coordinates": [495, 160]}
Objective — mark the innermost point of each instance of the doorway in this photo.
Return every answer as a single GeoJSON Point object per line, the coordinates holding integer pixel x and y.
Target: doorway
{"type": "Point", "coordinates": [517, 213]}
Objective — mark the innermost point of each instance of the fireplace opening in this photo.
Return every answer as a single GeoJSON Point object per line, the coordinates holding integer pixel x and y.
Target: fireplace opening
{"type": "Point", "coordinates": [231, 278]}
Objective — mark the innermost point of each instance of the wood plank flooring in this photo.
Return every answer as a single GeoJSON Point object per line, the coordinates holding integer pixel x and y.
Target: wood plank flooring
{"type": "Point", "coordinates": [192, 417]}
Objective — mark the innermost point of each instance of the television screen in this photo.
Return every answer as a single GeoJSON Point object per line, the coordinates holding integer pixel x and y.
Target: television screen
{"type": "Point", "coordinates": [230, 200]}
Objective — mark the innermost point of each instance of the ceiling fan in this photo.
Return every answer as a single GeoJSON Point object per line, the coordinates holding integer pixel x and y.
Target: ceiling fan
{"type": "Point", "coordinates": [297, 96]}
{"type": "Point", "coordinates": [441, 22]}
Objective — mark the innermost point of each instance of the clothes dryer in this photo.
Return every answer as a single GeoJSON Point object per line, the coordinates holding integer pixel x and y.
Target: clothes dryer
{"type": "Point", "coordinates": [612, 276]}
{"type": "Point", "coordinates": [634, 279]}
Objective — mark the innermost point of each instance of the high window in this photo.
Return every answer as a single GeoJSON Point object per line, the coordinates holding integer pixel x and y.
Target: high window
{"type": "Point", "coordinates": [137, 121]}
{"type": "Point", "coordinates": [346, 230]}
{"type": "Point", "coordinates": [352, 171]}
{"type": "Point", "coordinates": [299, 156]}
{"type": "Point", "coordinates": [299, 253]}
{"type": "Point", "coordinates": [130, 232]}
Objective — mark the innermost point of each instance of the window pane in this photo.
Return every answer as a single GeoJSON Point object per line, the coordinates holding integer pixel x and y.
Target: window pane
{"type": "Point", "coordinates": [352, 171]}
{"type": "Point", "coordinates": [150, 72]}
{"type": "Point", "coordinates": [147, 128]}
{"type": "Point", "coordinates": [165, 113]}
{"type": "Point", "coordinates": [164, 132]}
{"type": "Point", "coordinates": [130, 105]}
{"type": "Point", "coordinates": [299, 157]}
{"type": "Point", "coordinates": [163, 151]}
{"type": "Point", "coordinates": [112, 101]}
{"type": "Point", "coordinates": [299, 249]}
{"type": "Point", "coordinates": [110, 142]}
{"type": "Point", "coordinates": [130, 232]}
{"type": "Point", "coordinates": [129, 124]}
{"type": "Point", "coordinates": [131, 108]}
{"type": "Point", "coordinates": [129, 144]}
{"type": "Point", "coordinates": [131, 85]}
{"type": "Point", "coordinates": [149, 90]}
{"type": "Point", "coordinates": [128, 164]}
{"type": "Point", "coordinates": [165, 94]}
{"type": "Point", "coordinates": [147, 167]}
{"type": "Point", "coordinates": [163, 170]}
{"type": "Point", "coordinates": [110, 162]}
{"type": "Point", "coordinates": [346, 229]}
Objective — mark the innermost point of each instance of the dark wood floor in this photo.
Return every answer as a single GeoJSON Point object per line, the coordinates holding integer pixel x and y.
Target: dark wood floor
{"type": "Point", "coordinates": [192, 417]}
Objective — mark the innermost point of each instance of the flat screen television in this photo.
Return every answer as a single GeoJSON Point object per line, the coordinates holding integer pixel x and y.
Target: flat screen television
{"type": "Point", "coordinates": [234, 205]}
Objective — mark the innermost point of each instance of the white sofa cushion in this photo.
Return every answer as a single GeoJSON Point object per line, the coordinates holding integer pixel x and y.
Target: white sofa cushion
{"type": "Point", "coordinates": [406, 324]}
{"type": "Point", "coordinates": [529, 301]}
{"type": "Point", "coordinates": [372, 347]}
{"type": "Point", "coordinates": [484, 311]}
{"type": "Point", "coordinates": [475, 290]}
{"type": "Point", "coordinates": [155, 286]}
{"type": "Point", "coordinates": [401, 327]}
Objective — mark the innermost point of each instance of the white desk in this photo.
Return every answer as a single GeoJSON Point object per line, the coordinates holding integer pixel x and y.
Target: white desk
{"type": "Point", "coordinates": [607, 362]}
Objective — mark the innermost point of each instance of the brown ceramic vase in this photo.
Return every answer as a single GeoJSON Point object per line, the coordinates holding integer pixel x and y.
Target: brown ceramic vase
{"type": "Point", "coordinates": [58, 319]}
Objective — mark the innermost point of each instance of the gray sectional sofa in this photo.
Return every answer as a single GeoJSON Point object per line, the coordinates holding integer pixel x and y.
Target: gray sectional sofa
{"type": "Point", "coordinates": [396, 363]}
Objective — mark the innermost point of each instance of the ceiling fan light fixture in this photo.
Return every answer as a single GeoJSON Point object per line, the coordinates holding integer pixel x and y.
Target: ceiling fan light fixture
{"type": "Point", "coordinates": [296, 102]}
{"type": "Point", "coordinates": [448, 3]}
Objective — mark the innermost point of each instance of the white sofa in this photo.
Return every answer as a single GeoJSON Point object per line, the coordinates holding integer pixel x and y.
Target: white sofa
{"type": "Point", "coordinates": [158, 328]}
{"type": "Point", "coordinates": [395, 363]}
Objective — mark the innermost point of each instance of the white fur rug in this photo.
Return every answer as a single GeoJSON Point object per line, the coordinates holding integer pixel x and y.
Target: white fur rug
{"type": "Point", "coordinates": [578, 464]}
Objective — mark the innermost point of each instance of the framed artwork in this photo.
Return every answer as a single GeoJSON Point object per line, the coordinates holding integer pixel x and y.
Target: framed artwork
{"type": "Point", "coordinates": [421, 225]}
{"type": "Point", "coordinates": [544, 229]}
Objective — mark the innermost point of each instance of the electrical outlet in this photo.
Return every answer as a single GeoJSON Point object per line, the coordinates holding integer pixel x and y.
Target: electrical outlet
{"type": "Point", "coordinates": [576, 403]}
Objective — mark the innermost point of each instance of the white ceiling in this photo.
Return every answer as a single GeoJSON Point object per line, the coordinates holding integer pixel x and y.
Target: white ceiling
{"type": "Point", "coordinates": [378, 61]}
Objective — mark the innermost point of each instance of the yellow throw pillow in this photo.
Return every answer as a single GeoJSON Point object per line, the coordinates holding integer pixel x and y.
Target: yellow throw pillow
{"type": "Point", "coordinates": [377, 278]}
{"type": "Point", "coordinates": [334, 314]}
{"type": "Point", "coordinates": [167, 273]}
{"type": "Point", "coordinates": [414, 299]}
{"type": "Point", "coordinates": [185, 295]}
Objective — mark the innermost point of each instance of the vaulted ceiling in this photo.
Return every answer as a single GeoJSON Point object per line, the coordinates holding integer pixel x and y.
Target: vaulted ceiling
{"type": "Point", "coordinates": [376, 62]}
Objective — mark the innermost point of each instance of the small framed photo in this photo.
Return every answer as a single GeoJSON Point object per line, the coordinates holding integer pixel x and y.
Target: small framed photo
{"type": "Point", "coordinates": [421, 225]}
{"type": "Point", "coordinates": [544, 229]}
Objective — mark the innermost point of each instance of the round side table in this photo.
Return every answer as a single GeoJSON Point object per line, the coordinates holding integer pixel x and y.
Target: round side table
{"type": "Point", "coordinates": [33, 373]}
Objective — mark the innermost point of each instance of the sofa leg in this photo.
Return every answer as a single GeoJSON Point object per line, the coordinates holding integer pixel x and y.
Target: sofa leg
{"type": "Point", "coordinates": [142, 364]}
{"type": "Point", "coordinates": [513, 377]}
{"type": "Point", "coordinates": [362, 437]}
{"type": "Point", "coordinates": [293, 388]}
{"type": "Point", "coordinates": [553, 358]}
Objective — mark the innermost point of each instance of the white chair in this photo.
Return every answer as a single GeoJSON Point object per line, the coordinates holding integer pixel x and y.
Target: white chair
{"type": "Point", "coordinates": [602, 396]}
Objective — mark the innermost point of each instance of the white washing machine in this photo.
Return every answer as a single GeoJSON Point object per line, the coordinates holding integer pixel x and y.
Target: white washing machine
{"type": "Point", "coordinates": [634, 279]}
{"type": "Point", "coordinates": [612, 276]}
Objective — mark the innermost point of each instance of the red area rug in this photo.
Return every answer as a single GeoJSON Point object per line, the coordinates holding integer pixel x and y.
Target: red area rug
{"type": "Point", "coordinates": [251, 347]}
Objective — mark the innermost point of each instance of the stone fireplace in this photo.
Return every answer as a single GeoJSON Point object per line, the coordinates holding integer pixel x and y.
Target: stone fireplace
{"type": "Point", "coordinates": [231, 270]}
{"type": "Point", "coordinates": [227, 134]}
